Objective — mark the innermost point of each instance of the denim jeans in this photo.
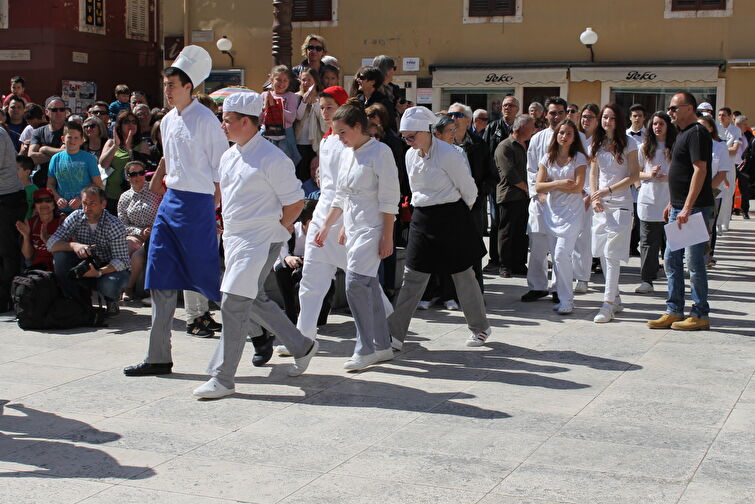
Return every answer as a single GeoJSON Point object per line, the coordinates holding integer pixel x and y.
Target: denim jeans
{"type": "Point", "coordinates": [109, 285]}
{"type": "Point", "coordinates": [698, 275]}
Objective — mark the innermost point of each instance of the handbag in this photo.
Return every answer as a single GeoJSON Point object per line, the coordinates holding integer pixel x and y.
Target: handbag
{"type": "Point", "coordinates": [272, 118]}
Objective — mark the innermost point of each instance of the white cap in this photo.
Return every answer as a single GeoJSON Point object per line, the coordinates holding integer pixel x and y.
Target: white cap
{"type": "Point", "coordinates": [705, 106]}
{"type": "Point", "coordinates": [195, 62]}
{"type": "Point", "coordinates": [244, 103]}
{"type": "Point", "coordinates": [417, 118]}
{"type": "Point", "coordinates": [330, 60]}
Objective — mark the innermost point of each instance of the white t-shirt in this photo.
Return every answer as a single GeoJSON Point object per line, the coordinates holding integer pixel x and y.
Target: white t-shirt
{"type": "Point", "coordinates": [610, 172]}
{"type": "Point", "coordinates": [653, 196]}
{"type": "Point", "coordinates": [721, 162]}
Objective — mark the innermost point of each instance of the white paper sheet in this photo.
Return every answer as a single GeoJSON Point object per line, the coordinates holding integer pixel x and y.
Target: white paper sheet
{"type": "Point", "coordinates": [694, 231]}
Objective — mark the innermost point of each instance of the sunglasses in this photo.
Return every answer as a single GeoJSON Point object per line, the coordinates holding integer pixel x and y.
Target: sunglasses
{"type": "Point", "coordinates": [139, 173]}
{"type": "Point", "coordinates": [483, 119]}
{"type": "Point", "coordinates": [89, 126]}
{"type": "Point", "coordinates": [129, 121]}
{"type": "Point", "coordinates": [674, 108]}
{"type": "Point", "coordinates": [57, 109]}
{"type": "Point", "coordinates": [409, 138]}
{"type": "Point", "coordinates": [572, 111]}
{"type": "Point", "coordinates": [98, 112]}
{"type": "Point", "coordinates": [455, 115]}
{"type": "Point", "coordinates": [373, 115]}
{"type": "Point", "coordinates": [43, 200]}
{"type": "Point", "coordinates": [315, 48]}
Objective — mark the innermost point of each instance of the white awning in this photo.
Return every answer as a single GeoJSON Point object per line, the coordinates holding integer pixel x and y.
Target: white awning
{"type": "Point", "coordinates": [644, 74]}
{"type": "Point", "coordinates": [497, 77]}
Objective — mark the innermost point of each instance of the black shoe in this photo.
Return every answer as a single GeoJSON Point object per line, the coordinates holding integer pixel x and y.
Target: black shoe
{"type": "Point", "coordinates": [210, 323]}
{"type": "Point", "coordinates": [505, 273]}
{"type": "Point", "coordinates": [146, 369]}
{"type": "Point", "coordinates": [263, 349]}
{"type": "Point", "coordinates": [634, 253]}
{"type": "Point", "coordinates": [554, 297]}
{"type": "Point", "coordinates": [534, 295]}
{"type": "Point", "coordinates": [112, 308]}
{"type": "Point", "coordinates": [198, 329]}
{"type": "Point", "coordinates": [520, 271]}
{"type": "Point", "coordinates": [491, 267]}
{"type": "Point", "coordinates": [746, 215]}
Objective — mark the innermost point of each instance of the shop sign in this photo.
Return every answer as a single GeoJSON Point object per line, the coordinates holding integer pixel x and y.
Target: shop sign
{"type": "Point", "coordinates": [631, 74]}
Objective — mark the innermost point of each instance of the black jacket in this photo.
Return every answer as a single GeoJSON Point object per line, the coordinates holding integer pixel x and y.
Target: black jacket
{"type": "Point", "coordinates": [479, 161]}
{"type": "Point", "coordinates": [495, 132]}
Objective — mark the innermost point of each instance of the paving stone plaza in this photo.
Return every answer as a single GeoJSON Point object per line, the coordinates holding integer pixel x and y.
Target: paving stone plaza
{"type": "Point", "coordinates": [554, 409]}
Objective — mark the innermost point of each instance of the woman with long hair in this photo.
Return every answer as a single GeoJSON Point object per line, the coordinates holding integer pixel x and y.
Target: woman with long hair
{"type": "Point", "coordinates": [367, 195]}
{"type": "Point", "coordinates": [366, 86]}
{"type": "Point", "coordinates": [561, 175]}
{"type": "Point", "coordinates": [309, 126]}
{"type": "Point", "coordinates": [654, 158]}
{"type": "Point", "coordinates": [614, 168]}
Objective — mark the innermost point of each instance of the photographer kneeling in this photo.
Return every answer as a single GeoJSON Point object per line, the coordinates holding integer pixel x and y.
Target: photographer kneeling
{"type": "Point", "coordinates": [91, 243]}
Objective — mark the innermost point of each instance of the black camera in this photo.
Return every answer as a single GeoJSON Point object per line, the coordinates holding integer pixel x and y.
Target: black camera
{"type": "Point", "coordinates": [78, 271]}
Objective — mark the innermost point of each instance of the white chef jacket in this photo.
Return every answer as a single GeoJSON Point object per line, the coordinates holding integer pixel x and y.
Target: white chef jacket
{"type": "Point", "coordinates": [256, 180]}
{"type": "Point", "coordinates": [654, 195]}
{"type": "Point", "coordinates": [332, 252]}
{"type": "Point", "coordinates": [193, 143]}
{"type": "Point", "coordinates": [563, 212]}
{"type": "Point", "coordinates": [442, 176]}
{"type": "Point", "coordinates": [367, 188]}
{"type": "Point", "coordinates": [721, 162]}
{"type": "Point", "coordinates": [610, 171]}
{"type": "Point", "coordinates": [537, 149]}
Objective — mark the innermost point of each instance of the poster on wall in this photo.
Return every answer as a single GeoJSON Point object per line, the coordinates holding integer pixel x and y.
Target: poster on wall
{"type": "Point", "coordinates": [79, 95]}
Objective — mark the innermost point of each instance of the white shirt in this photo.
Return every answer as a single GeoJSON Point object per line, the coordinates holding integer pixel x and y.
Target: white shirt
{"type": "Point", "coordinates": [610, 172]}
{"type": "Point", "coordinates": [256, 180]}
{"type": "Point", "coordinates": [442, 176]}
{"type": "Point", "coordinates": [563, 211]}
{"type": "Point", "coordinates": [537, 149]}
{"type": "Point", "coordinates": [331, 149]}
{"type": "Point", "coordinates": [638, 139]}
{"type": "Point", "coordinates": [25, 136]}
{"type": "Point", "coordinates": [299, 242]}
{"type": "Point", "coordinates": [653, 196]}
{"type": "Point", "coordinates": [721, 162]}
{"type": "Point", "coordinates": [193, 144]}
{"type": "Point", "coordinates": [731, 135]}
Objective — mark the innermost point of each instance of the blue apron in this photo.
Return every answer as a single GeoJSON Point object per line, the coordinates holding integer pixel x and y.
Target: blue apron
{"type": "Point", "coordinates": [183, 250]}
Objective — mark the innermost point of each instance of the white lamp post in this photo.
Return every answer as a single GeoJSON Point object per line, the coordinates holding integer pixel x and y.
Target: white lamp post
{"type": "Point", "coordinates": [224, 45]}
{"type": "Point", "coordinates": [588, 38]}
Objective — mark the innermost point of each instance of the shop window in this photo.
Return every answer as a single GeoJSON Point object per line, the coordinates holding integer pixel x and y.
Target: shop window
{"type": "Point", "coordinates": [492, 11]}
{"type": "Point", "coordinates": [137, 19]}
{"type": "Point", "coordinates": [698, 8]}
{"type": "Point", "coordinates": [312, 10]}
{"type": "Point", "coordinates": [696, 5]}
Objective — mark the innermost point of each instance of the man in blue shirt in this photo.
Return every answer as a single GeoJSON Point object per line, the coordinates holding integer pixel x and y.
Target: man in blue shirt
{"type": "Point", "coordinates": [71, 170]}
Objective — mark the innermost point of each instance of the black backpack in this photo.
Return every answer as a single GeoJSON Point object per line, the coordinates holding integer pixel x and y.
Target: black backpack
{"type": "Point", "coordinates": [39, 304]}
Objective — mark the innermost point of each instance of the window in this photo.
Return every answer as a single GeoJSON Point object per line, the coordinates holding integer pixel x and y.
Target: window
{"type": "Point", "coordinates": [311, 10]}
{"type": "Point", "coordinates": [92, 16]}
{"type": "Point", "coordinates": [137, 19]}
{"type": "Point", "coordinates": [695, 5]}
{"type": "Point", "coordinates": [490, 8]}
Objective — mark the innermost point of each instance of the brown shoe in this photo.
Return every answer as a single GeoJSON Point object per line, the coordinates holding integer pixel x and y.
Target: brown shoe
{"type": "Point", "coordinates": [664, 322]}
{"type": "Point", "coordinates": [692, 324]}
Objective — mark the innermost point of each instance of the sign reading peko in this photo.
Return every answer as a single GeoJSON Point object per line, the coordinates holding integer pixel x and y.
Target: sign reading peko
{"type": "Point", "coordinates": [641, 76]}
{"type": "Point", "coordinates": [494, 77]}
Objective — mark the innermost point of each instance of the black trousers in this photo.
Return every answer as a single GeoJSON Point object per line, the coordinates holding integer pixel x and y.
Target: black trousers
{"type": "Point", "coordinates": [651, 239]}
{"type": "Point", "coordinates": [12, 208]}
{"type": "Point", "coordinates": [744, 189]}
{"type": "Point", "coordinates": [512, 235]}
{"type": "Point", "coordinates": [634, 239]}
{"type": "Point", "coordinates": [288, 283]}
{"type": "Point", "coordinates": [480, 220]}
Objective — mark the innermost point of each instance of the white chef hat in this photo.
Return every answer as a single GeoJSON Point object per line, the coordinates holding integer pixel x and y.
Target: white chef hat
{"type": "Point", "coordinates": [249, 103]}
{"type": "Point", "coordinates": [195, 62]}
{"type": "Point", "coordinates": [705, 106]}
{"type": "Point", "coordinates": [417, 118]}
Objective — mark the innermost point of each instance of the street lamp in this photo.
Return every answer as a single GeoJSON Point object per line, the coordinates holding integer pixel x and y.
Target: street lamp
{"type": "Point", "coordinates": [224, 45]}
{"type": "Point", "coordinates": [588, 38]}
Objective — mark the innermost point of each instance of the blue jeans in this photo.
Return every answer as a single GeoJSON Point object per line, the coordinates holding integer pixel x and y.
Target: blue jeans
{"type": "Point", "coordinates": [110, 285]}
{"type": "Point", "coordinates": [698, 275]}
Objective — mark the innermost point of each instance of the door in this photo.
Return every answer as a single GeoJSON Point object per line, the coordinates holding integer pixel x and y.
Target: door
{"type": "Point", "coordinates": [538, 94]}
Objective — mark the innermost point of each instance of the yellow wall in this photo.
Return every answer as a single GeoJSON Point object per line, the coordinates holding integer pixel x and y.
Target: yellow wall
{"type": "Point", "coordinates": [433, 30]}
{"type": "Point", "coordinates": [584, 92]}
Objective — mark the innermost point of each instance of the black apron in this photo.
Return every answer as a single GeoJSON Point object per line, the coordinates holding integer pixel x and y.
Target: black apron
{"type": "Point", "coordinates": [443, 239]}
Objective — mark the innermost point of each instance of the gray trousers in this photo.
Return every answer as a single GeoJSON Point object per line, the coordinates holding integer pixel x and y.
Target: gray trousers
{"type": "Point", "coordinates": [241, 316]}
{"type": "Point", "coordinates": [414, 283]}
{"type": "Point", "coordinates": [366, 303]}
{"type": "Point", "coordinates": [163, 309]}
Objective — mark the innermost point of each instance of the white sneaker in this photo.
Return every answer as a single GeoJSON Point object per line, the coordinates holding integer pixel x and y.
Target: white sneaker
{"type": "Point", "coordinates": [565, 309]}
{"type": "Point", "coordinates": [451, 305]}
{"type": "Point", "coordinates": [644, 288]}
{"type": "Point", "coordinates": [384, 355]}
{"type": "Point", "coordinates": [213, 390]}
{"type": "Point", "coordinates": [478, 339]}
{"type": "Point", "coordinates": [604, 315]}
{"type": "Point", "coordinates": [396, 344]}
{"type": "Point", "coordinates": [282, 351]}
{"type": "Point", "coordinates": [300, 364]}
{"type": "Point", "coordinates": [423, 305]}
{"type": "Point", "coordinates": [581, 287]}
{"type": "Point", "coordinates": [617, 306]}
{"type": "Point", "coordinates": [358, 362]}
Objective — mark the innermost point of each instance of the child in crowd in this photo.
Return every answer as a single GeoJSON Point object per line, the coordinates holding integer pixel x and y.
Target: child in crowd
{"type": "Point", "coordinates": [18, 88]}
{"type": "Point", "coordinates": [122, 101]}
{"type": "Point", "coordinates": [72, 170]}
{"type": "Point", "coordinates": [25, 166]}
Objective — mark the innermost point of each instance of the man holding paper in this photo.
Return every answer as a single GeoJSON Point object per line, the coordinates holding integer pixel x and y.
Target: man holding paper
{"type": "Point", "coordinates": [691, 193]}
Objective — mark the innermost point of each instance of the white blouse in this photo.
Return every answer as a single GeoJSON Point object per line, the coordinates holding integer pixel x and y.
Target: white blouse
{"type": "Point", "coordinates": [610, 172]}
{"type": "Point", "coordinates": [442, 176]}
{"type": "Point", "coordinates": [654, 195]}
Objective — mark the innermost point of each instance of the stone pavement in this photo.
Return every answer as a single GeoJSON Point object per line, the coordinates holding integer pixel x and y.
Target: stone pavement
{"type": "Point", "coordinates": [554, 410]}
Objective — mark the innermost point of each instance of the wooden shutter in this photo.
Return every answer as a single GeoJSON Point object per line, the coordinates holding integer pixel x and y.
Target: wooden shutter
{"type": "Point", "coordinates": [137, 19]}
{"type": "Point", "coordinates": [712, 4]}
{"type": "Point", "coordinates": [694, 5]}
{"type": "Point", "coordinates": [486, 8]}
{"type": "Point", "coordinates": [312, 10]}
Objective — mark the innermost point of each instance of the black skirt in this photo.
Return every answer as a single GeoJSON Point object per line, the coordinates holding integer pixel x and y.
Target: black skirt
{"type": "Point", "coordinates": [443, 239]}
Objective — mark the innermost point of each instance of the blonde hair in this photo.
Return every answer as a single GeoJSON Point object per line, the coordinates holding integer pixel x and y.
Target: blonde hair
{"type": "Point", "coordinates": [309, 38]}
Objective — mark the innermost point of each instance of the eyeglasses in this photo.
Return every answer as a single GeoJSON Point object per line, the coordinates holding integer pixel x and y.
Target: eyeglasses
{"type": "Point", "coordinates": [360, 77]}
{"type": "Point", "coordinates": [43, 200]}
{"type": "Point", "coordinates": [89, 126]}
{"type": "Point", "coordinates": [57, 109]}
{"type": "Point", "coordinates": [456, 115]}
{"type": "Point", "coordinates": [409, 138]}
{"type": "Point", "coordinates": [129, 121]}
{"type": "Point", "coordinates": [572, 111]}
{"type": "Point", "coordinates": [589, 117]}
{"type": "Point", "coordinates": [509, 105]}
{"type": "Point", "coordinates": [483, 119]}
{"type": "Point", "coordinates": [139, 173]}
{"type": "Point", "coordinates": [372, 115]}
{"type": "Point", "coordinates": [315, 48]}
{"type": "Point", "coordinates": [97, 112]}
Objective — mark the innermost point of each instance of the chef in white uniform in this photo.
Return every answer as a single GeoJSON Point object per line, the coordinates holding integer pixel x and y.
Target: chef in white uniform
{"type": "Point", "coordinates": [611, 175]}
{"type": "Point", "coordinates": [367, 195]}
{"type": "Point", "coordinates": [732, 135]}
{"type": "Point", "coordinates": [262, 199]}
{"type": "Point", "coordinates": [561, 175]}
{"type": "Point", "coordinates": [582, 258]}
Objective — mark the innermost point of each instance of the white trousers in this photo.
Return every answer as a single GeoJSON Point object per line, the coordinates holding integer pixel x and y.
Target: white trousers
{"type": "Point", "coordinates": [727, 202]}
{"type": "Point", "coordinates": [611, 270]}
{"type": "Point", "coordinates": [563, 248]}
{"type": "Point", "coordinates": [582, 258]}
{"type": "Point", "coordinates": [537, 266]}
{"type": "Point", "coordinates": [315, 283]}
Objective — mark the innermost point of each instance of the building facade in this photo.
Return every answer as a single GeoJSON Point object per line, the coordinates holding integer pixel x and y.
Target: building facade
{"type": "Point", "coordinates": [81, 48]}
{"type": "Point", "coordinates": [477, 51]}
